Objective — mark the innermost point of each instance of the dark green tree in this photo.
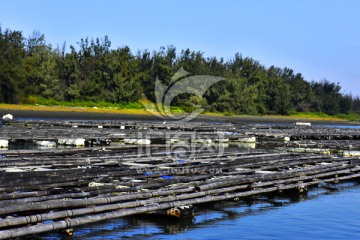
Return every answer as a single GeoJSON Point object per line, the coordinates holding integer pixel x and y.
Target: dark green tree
{"type": "Point", "coordinates": [12, 73]}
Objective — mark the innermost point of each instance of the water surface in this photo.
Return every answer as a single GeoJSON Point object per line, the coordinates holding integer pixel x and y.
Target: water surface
{"type": "Point", "coordinates": [321, 214]}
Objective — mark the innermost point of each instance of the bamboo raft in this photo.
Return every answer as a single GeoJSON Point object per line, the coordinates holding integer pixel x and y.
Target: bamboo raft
{"type": "Point", "coordinates": [90, 133]}
{"type": "Point", "coordinates": [60, 189]}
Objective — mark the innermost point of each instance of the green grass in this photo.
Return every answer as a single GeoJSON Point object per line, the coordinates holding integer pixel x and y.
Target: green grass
{"type": "Point", "coordinates": [350, 116]}
{"type": "Point", "coordinates": [35, 100]}
{"type": "Point", "coordinates": [38, 101]}
{"type": "Point", "coordinates": [311, 114]}
{"type": "Point", "coordinates": [319, 115]}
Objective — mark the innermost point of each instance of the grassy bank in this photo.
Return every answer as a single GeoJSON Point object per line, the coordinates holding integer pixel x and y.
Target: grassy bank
{"type": "Point", "coordinates": [139, 109]}
{"type": "Point", "coordinates": [59, 108]}
{"type": "Point", "coordinates": [323, 116]}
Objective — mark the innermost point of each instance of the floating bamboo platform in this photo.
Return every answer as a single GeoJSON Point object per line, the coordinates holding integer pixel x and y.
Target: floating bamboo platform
{"type": "Point", "coordinates": [90, 133]}
{"type": "Point", "coordinates": [51, 189]}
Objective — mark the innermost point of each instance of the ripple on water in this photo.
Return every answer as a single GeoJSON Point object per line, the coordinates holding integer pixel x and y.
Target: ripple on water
{"type": "Point", "coordinates": [333, 216]}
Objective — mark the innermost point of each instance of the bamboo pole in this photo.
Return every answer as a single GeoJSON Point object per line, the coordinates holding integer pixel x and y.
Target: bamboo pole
{"type": "Point", "coordinates": [105, 200]}
{"type": "Point", "coordinates": [110, 207]}
{"type": "Point", "coordinates": [17, 232]}
{"type": "Point", "coordinates": [247, 179]}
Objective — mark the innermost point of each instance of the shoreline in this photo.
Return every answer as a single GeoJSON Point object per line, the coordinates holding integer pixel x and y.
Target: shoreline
{"type": "Point", "coordinates": [83, 113]}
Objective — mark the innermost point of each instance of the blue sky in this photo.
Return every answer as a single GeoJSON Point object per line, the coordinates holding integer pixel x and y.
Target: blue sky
{"type": "Point", "coordinates": [318, 38]}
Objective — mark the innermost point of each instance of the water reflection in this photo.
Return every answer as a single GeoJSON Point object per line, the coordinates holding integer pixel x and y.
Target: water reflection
{"type": "Point", "coordinates": [207, 216]}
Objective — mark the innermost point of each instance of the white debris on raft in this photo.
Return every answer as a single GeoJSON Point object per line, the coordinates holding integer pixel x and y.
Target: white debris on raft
{"type": "Point", "coordinates": [137, 141]}
{"type": "Point", "coordinates": [303, 124]}
{"type": "Point", "coordinates": [246, 139]}
{"type": "Point", "coordinates": [45, 143]}
{"type": "Point", "coordinates": [72, 141]}
{"type": "Point", "coordinates": [7, 117]}
{"type": "Point", "coordinates": [4, 143]}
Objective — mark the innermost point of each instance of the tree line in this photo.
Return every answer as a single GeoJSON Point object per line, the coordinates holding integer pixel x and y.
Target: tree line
{"type": "Point", "coordinates": [93, 71]}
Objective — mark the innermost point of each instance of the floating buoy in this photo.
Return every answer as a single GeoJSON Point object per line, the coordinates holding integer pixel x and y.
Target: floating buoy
{"type": "Point", "coordinates": [4, 143]}
{"type": "Point", "coordinates": [45, 143]}
{"type": "Point", "coordinates": [181, 212]}
{"type": "Point", "coordinates": [245, 139]}
{"type": "Point", "coordinates": [137, 141]}
{"type": "Point", "coordinates": [68, 231]}
{"type": "Point", "coordinates": [72, 141]}
{"type": "Point", "coordinates": [7, 117]}
{"type": "Point", "coordinates": [303, 124]}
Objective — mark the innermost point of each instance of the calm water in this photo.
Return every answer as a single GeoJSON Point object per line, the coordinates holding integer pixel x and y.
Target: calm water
{"type": "Point", "coordinates": [322, 214]}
